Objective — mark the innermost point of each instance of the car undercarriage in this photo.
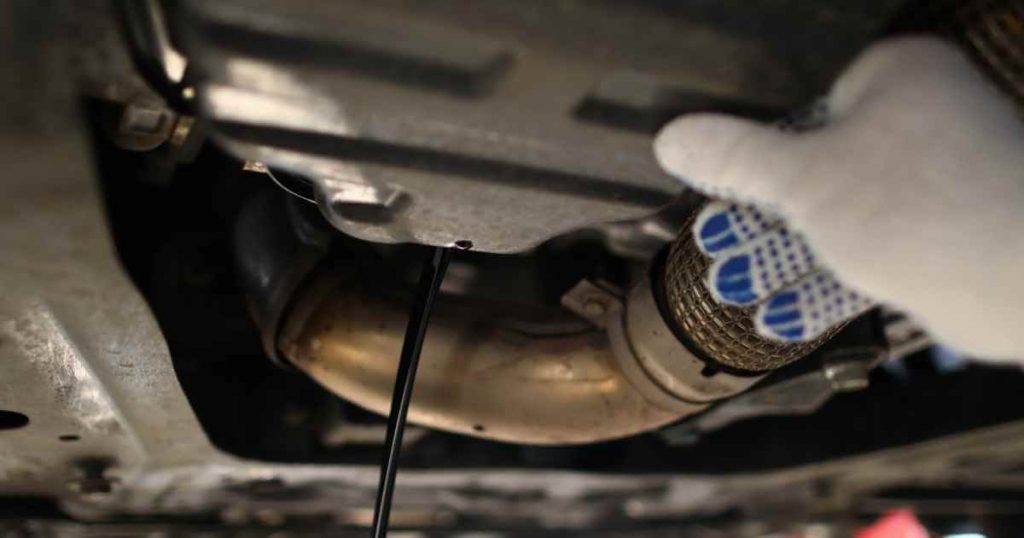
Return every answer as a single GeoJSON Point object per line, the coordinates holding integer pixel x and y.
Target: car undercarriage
{"type": "Point", "coordinates": [215, 213]}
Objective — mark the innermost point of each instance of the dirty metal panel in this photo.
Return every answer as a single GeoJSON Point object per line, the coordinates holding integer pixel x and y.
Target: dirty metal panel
{"type": "Point", "coordinates": [501, 123]}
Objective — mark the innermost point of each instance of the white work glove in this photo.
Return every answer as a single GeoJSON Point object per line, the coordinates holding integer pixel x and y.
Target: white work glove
{"type": "Point", "coordinates": [911, 193]}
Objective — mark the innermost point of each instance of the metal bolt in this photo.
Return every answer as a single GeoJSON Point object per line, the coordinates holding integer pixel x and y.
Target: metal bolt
{"type": "Point", "coordinates": [144, 119]}
{"type": "Point", "coordinates": [590, 301]}
{"type": "Point", "coordinates": [594, 308]}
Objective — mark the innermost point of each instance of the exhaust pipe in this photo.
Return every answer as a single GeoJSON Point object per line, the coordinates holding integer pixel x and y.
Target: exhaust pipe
{"type": "Point", "coordinates": [479, 374]}
{"type": "Point", "coordinates": [495, 371]}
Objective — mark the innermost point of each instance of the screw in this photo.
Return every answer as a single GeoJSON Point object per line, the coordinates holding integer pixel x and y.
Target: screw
{"type": "Point", "coordinates": [594, 308]}
{"type": "Point", "coordinates": [144, 119]}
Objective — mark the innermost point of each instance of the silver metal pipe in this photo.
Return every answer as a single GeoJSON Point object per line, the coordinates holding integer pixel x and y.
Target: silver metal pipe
{"type": "Point", "coordinates": [477, 376]}
{"type": "Point", "coordinates": [480, 375]}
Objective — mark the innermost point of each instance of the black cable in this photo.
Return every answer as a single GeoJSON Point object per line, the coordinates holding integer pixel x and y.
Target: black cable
{"type": "Point", "coordinates": [426, 291]}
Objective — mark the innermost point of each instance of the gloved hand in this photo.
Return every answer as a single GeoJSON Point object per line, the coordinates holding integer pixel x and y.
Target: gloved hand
{"type": "Point", "coordinates": [911, 193]}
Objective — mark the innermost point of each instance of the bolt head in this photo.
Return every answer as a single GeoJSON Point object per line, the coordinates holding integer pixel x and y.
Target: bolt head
{"type": "Point", "coordinates": [594, 308]}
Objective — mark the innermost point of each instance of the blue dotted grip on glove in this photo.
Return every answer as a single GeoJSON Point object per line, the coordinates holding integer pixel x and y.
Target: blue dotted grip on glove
{"type": "Point", "coordinates": [756, 259]}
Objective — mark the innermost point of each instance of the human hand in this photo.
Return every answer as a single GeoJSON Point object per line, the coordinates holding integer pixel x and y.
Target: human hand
{"type": "Point", "coordinates": [911, 193]}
